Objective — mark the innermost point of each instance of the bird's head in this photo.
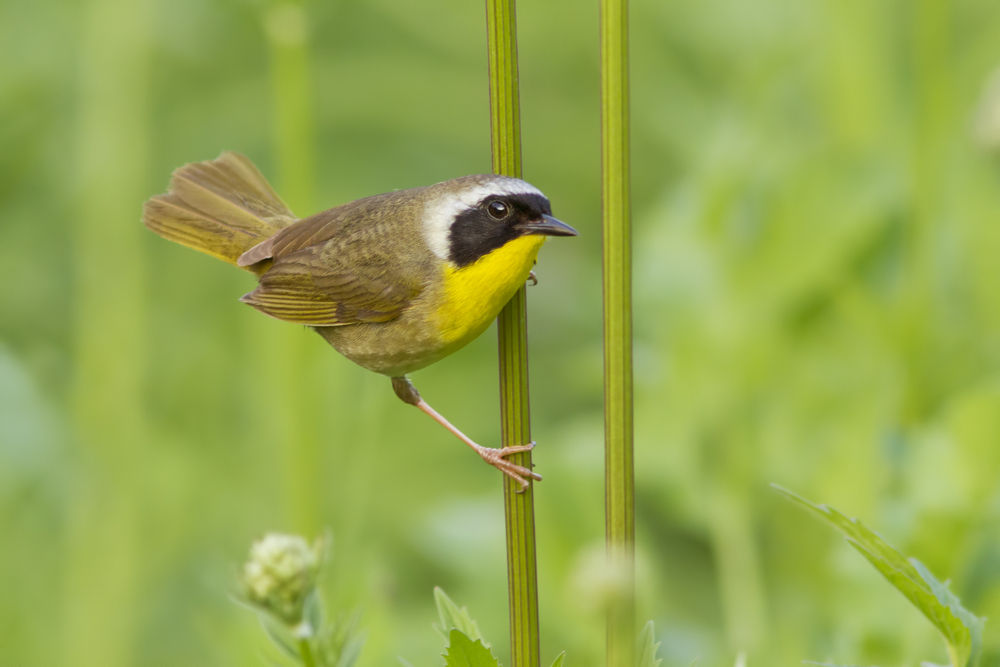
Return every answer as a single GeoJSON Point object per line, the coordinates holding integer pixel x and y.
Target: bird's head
{"type": "Point", "coordinates": [470, 217]}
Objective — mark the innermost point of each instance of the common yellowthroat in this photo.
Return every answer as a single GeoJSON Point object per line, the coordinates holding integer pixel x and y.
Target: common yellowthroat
{"type": "Point", "coordinates": [394, 282]}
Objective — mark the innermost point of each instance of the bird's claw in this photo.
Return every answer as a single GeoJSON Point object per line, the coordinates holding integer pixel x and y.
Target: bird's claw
{"type": "Point", "coordinates": [496, 458]}
{"type": "Point", "coordinates": [532, 278]}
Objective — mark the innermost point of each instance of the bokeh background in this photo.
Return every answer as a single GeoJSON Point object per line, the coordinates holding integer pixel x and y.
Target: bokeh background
{"type": "Point", "coordinates": [817, 304]}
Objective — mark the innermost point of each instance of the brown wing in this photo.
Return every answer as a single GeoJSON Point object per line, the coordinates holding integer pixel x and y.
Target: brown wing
{"type": "Point", "coordinates": [317, 287]}
{"type": "Point", "coordinates": [331, 224]}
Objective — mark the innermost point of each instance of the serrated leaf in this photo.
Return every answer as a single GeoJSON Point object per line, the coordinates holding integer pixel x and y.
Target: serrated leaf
{"type": "Point", "coordinates": [972, 622]}
{"type": "Point", "coordinates": [646, 648]}
{"type": "Point", "coordinates": [464, 652]}
{"type": "Point", "coordinates": [960, 628]}
{"type": "Point", "coordinates": [454, 618]}
{"type": "Point", "coordinates": [957, 636]}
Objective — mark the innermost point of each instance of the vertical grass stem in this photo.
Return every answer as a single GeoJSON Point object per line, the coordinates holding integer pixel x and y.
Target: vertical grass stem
{"type": "Point", "coordinates": [617, 238]}
{"type": "Point", "coordinates": [512, 331]}
{"type": "Point", "coordinates": [286, 29]}
{"type": "Point", "coordinates": [103, 552]}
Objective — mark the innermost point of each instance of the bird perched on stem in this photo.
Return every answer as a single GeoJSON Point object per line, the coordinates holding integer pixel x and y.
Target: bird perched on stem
{"type": "Point", "coordinates": [394, 282]}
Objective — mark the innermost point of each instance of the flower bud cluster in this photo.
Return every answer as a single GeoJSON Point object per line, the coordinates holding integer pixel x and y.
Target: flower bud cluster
{"type": "Point", "coordinates": [281, 574]}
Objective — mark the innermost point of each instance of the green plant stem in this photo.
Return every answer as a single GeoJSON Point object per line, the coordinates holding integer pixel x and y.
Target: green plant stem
{"type": "Point", "coordinates": [305, 650]}
{"type": "Point", "coordinates": [512, 330]}
{"type": "Point", "coordinates": [289, 362]}
{"type": "Point", "coordinates": [104, 547]}
{"type": "Point", "coordinates": [619, 468]}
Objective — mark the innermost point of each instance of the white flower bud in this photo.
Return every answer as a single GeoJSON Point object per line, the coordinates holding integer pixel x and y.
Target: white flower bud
{"type": "Point", "coordinates": [280, 575]}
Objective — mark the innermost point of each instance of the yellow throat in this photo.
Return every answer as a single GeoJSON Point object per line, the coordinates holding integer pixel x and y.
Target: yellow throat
{"type": "Point", "coordinates": [474, 294]}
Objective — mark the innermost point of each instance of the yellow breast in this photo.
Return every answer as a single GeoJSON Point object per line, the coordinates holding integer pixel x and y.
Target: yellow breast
{"type": "Point", "coordinates": [474, 294]}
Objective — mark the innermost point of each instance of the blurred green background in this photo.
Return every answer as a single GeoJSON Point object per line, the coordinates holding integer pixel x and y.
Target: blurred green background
{"type": "Point", "coordinates": [817, 294]}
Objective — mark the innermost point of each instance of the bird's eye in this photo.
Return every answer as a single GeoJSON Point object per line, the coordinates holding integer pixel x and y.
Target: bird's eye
{"type": "Point", "coordinates": [498, 209]}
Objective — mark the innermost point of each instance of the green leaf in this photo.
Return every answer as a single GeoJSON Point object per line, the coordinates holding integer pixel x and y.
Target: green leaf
{"type": "Point", "coordinates": [646, 648]}
{"type": "Point", "coordinates": [962, 631]}
{"type": "Point", "coordinates": [973, 623]}
{"type": "Point", "coordinates": [464, 652]}
{"type": "Point", "coordinates": [278, 635]}
{"type": "Point", "coordinates": [337, 643]}
{"type": "Point", "coordinates": [453, 618]}
{"type": "Point", "coordinates": [312, 611]}
{"type": "Point", "coordinates": [559, 659]}
{"type": "Point", "coordinates": [351, 651]}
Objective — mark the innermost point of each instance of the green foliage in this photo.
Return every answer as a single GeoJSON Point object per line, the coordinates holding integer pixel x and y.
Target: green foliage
{"type": "Point", "coordinates": [454, 618]}
{"type": "Point", "coordinates": [619, 411]}
{"type": "Point", "coordinates": [464, 652]}
{"type": "Point", "coordinates": [279, 582]}
{"type": "Point", "coordinates": [962, 631]}
{"type": "Point", "coordinates": [333, 643]}
{"type": "Point", "coordinates": [512, 343]}
{"type": "Point", "coordinates": [280, 637]}
{"type": "Point", "coordinates": [646, 648]}
{"type": "Point", "coordinates": [816, 303]}
{"type": "Point", "coordinates": [339, 643]}
{"type": "Point", "coordinates": [465, 645]}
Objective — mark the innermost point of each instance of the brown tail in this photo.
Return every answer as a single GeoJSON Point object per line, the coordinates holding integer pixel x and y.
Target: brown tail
{"type": "Point", "coordinates": [221, 208]}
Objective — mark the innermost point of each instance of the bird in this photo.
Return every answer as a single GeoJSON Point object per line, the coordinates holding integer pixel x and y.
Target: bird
{"type": "Point", "coordinates": [394, 282]}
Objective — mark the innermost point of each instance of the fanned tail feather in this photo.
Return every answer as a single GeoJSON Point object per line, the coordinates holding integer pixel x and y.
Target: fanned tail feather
{"type": "Point", "coordinates": [222, 208]}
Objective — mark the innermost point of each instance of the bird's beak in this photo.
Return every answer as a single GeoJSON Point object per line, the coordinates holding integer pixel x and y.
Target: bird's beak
{"type": "Point", "coordinates": [549, 226]}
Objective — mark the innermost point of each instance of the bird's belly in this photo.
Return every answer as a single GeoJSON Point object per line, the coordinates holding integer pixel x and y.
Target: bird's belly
{"type": "Point", "coordinates": [393, 348]}
{"type": "Point", "coordinates": [475, 294]}
{"type": "Point", "coordinates": [444, 319]}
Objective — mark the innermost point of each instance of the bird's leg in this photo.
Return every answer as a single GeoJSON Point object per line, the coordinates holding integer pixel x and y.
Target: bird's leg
{"type": "Point", "coordinates": [495, 457]}
{"type": "Point", "coordinates": [533, 278]}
